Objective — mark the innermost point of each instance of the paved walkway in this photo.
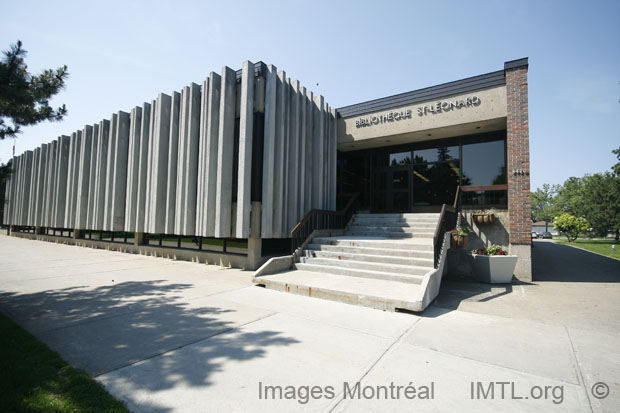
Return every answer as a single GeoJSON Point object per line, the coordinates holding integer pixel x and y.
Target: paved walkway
{"type": "Point", "coordinates": [167, 336]}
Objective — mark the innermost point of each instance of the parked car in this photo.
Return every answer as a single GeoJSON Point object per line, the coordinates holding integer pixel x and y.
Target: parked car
{"type": "Point", "coordinates": [534, 234]}
{"type": "Point", "coordinates": [547, 235]}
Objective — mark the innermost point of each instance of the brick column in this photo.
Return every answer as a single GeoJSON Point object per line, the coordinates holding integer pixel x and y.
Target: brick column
{"type": "Point", "coordinates": [518, 167]}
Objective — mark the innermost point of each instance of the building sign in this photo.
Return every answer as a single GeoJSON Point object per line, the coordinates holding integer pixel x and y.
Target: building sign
{"type": "Point", "coordinates": [448, 105]}
{"type": "Point", "coordinates": [437, 107]}
{"type": "Point", "coordinates": [384, 118]}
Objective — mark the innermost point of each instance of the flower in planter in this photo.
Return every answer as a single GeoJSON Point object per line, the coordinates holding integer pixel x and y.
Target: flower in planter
{"type": "Point", "coordinates": [460, 231]}
{"type": "Point", "coordinates": [491, 250]}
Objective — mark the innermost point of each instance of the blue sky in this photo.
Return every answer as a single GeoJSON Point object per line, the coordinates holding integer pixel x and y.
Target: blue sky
{"type": "Point", "coordinates": [122, 53]}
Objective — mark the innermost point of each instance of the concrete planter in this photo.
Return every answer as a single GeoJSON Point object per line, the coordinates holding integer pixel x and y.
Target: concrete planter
{"type": "Point", "coordinates": [494, 269]}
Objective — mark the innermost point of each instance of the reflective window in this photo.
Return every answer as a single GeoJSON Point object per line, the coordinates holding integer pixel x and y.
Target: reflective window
{"type": "Point", "coordinates": [401, 158]}
{"type": "Point", "coordinates": [484, 163]}
{"type": "Point", "coordinates": [435, 184]}
{"type": "Point", "coordinates": [444, 153]}
{"type": "Point", "coordinates": [400, 180]}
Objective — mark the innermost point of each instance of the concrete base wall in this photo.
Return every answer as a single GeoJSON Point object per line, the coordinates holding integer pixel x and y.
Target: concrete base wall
{"type": "Point", "coordinates": [205, 257]}
{"type": "Point", "coordinates": [523, 271]}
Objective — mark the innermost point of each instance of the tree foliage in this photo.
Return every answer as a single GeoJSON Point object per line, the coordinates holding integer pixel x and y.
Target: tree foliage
{"type": "Point", "coordinates": [24, 98]}
{"type": "Point", "coordinates": [594, 197]}
{"type": "Point", "coordinates": [543, 205]}
{"type": "Point", "coordinates": [571, 226]}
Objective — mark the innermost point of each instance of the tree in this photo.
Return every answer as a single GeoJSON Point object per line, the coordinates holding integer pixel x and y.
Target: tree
{"type": "Point", "coordinates": [570, 198]}
{"type": "Point", "coordinates": [602, 207]}
{"type": "Point", "coordinates": [543, 204]}
{"type": "Point", "coordinates": [570, 225]}
{"type": "Point", "coordinates": [24, 98]}
{"type": "Point", "coordinates": [616, 167]}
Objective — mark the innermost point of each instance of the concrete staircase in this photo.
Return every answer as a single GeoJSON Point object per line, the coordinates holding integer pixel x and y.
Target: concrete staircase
{"type": "Point", "coordinates": [383, 261]}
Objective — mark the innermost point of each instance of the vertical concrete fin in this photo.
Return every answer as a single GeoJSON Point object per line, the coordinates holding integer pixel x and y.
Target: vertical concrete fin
{"type": "Point", "coordinates": [92, 185]}
{"type": "Point", "coordinates": [269, 153]}
{"type": "Point", "coordinates": [293, 157]}
{"type": "Point", "coordinates": [81, 211]}
{"type": "Point", "coordinates": [119, 181]}
{"type": "Point", "coordinates": [210, 155]}
{"type": "Point", "coordinates": [173, 160]}
{"type": "Point", "coordinates": [143, 159]}
{"type": "Point", "coordinates": [244, 175]}
{"type": "Point", "coordinates": [279, 165]}
{"type": "Point", "coordinates": [133, 168]}
{"type": "Point", "coordinates": [225, 154]}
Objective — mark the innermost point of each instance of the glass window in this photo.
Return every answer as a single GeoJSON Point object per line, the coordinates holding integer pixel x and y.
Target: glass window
{"type": "Point", "coordinates": [400, 180]}
{"type": "Point", "coordinates": [401, 158]}
{"type": "Point", "coordinates": [484, 163]}
{"type": "Point", "coordinates": [443, 153]}
{"type": "Point", "coordinates": [435, 184]}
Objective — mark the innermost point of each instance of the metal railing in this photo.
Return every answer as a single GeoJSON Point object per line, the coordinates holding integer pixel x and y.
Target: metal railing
{"type": "Point", "coordinates": [322, 219]}
{"type": "Point", "coordinates": [449, 218]}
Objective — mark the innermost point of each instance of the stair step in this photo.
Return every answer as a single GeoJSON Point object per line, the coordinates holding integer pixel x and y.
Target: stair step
{"type": "Point", "coordinates": [392, 228]}
{"type": "Point", "coordinates": [377, 242]}
{"type": "Point", "coordinates": [396, 221]}
{"type": "Point", "coordinates": [400, 215]}
{"type": "Point", "coordinates": [378, 294]}
{"type": "Point", "coordinates": [349, 256]}
{"type": "Point", "coordinates": [395, 225]}
{"type": "Point", "coordinates": [359, 273]}
{"type": "Point", "coordinates": [403, 253]}
{"type": "Point", "coordinates": [407, 270]}
{"type": "Point", "coordinates": [389, 234]}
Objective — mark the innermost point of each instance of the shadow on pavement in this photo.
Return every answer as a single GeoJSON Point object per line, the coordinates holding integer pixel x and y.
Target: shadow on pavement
{"type": "Point", "coordinates": [105, 328]}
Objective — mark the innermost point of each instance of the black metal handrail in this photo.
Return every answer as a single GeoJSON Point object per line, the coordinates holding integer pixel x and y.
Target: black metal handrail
{"type": "Point", "coordinates": [322, 219]}
{"type": "Point", "coordinates": [448, 219]}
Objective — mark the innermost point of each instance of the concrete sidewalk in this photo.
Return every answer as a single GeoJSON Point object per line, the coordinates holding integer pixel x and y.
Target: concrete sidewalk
{"type": "Point", "coordinates": [166, 335]}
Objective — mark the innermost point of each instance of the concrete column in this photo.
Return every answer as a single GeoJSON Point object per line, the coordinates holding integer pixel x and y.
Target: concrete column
{"type": "Point", "coordinates": [42, 175]}
{"type": "Point", "coordinates": [334, 158]}
{"type": "Point", "coordinates": [139, 238]}
{"type": "Point", "coordinates": [52, 152]}
{"type": "Point", "coordinates": [318, 161]}
{"type": "Point", "coordinates": [92, 174]}
{"type": "Point", "coordinates": [81, 210]}
{"type": "Point", "coordinates": [133, 168]}
{"type": "Point", "coordinates": [119, 181]}
{"type": "Point", "coordinates": [109, 175]}
{"type": "Point", "coordinates": [279, 162]}
{"type": "Point", "coordinates": [285, 159]}
{"type": "Point", "coordinates": [100, 176]}
{"type": "Point", "coordinates": [17, 174]}
{"type": "Point", "coordinates": [77, 234]}
{"type": "Point", "coordinates": [187, 177]}
{"type": "Point", "coordinates": [173, 158]}
{"type": "Point", "coordinates": [301, 155]}
{"type": "Point", "coordinates": [34, 181]}
{"type": "Point", "coordinates": [269, 146]}
{"type": "Point", "coordinates": [226, 141]}
{"type": "Point", "coordinates": [60, 195]}
{"type": "Point", "coordinates": [293, 158]}
{"type": "Point", "coordinates": [208, 148]}
{"type": "Point", "coordinates": [75, 147]}
{"type": "Point", "coordinates": [157, 187]}
{"type": "Point", "coordinates": [244, 175]}
{"type": "Point", "coordinates": [143, 167]}
{"type": "Point", "coordinates": [310, 195]}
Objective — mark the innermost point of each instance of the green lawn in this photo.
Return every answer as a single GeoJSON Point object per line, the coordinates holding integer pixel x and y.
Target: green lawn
{"type": "Point", "coordinates": [35, 379]}
{"type": "Point", "coordinates": [601, 246]}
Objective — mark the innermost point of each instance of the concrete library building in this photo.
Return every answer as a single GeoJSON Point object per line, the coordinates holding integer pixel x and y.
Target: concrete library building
{"type": "Point", "coordinates": [250, 169]}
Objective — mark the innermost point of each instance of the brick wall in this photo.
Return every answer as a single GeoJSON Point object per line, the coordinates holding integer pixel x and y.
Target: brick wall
{"type": "Point", "coordinates": [518, 168]}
